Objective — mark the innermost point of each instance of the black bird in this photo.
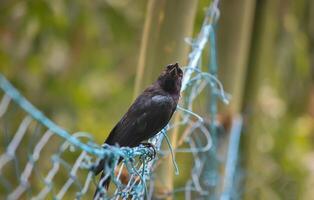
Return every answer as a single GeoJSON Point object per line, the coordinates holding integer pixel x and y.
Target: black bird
{"type": "Point", "coordinates": [150, 112]}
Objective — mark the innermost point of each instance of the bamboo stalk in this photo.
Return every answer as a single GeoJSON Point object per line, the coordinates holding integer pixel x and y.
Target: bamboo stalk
{"type": "Point", "coordinates": [167, 24]}
{"type": "Point", "coordinates": [233, 39]}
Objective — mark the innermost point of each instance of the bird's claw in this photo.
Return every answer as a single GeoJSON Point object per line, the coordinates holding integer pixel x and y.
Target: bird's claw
{"type": "Point", "coordinates": [150, 146]}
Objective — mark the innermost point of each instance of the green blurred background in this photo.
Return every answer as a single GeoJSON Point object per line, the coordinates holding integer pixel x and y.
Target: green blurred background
{"type": "Point", "coordinates": [77, 61]}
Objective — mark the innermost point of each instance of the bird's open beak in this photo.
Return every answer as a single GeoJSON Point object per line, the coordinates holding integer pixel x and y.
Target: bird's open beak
{"type": "Point", "coordinates": [174, 70]}
{"type": "Point", "coordinates": [176, 65]}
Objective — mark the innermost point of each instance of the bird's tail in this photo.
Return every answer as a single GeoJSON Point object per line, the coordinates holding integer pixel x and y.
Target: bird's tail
{"type": "Point", "coordinates": [104, 182]}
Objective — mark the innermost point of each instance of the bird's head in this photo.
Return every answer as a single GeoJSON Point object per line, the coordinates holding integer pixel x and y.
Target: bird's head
{"type": "Point", "coordinates": [170, 79]}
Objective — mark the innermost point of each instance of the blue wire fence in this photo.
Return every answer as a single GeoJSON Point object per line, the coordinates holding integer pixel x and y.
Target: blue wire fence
{"type": "Point", "coordinates": [41, 160]}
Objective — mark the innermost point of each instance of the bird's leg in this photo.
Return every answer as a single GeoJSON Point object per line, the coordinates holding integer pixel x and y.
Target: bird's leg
{"type": "Point", "coordinates": [150, 145]}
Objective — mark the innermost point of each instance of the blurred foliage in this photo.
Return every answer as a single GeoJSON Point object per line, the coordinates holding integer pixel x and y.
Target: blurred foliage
{"type": "Point", "coordinates": [279, 135]}
{"type": "Point", "coordinates": [76, 61]}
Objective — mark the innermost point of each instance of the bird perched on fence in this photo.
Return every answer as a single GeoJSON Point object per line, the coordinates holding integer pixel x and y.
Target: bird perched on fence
{"type": "Point", "coordinates": [150, 112]}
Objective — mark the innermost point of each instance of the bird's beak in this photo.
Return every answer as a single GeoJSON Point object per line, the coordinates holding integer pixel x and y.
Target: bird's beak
{"type": "Point", "coordinates": [174, 71]}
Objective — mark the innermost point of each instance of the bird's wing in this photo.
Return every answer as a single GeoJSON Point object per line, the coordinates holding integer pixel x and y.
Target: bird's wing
{"type": "Point", "coordinates": [146, 116]}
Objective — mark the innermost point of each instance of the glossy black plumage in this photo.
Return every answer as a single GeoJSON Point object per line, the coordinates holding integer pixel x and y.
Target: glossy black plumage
{"type": "Point", "coordinates": [150, 112]}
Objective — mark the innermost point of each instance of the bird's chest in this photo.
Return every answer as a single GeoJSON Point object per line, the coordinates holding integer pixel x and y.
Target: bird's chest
{"type": "Point", "coordinates": [163, 106]}
{"type": "Point", "coordinates": [162, 100]}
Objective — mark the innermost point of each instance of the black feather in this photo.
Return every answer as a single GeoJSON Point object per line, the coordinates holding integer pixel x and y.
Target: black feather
{"type": "Point", "coordinates": [150, 112]}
